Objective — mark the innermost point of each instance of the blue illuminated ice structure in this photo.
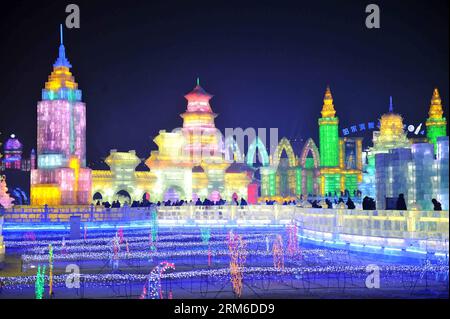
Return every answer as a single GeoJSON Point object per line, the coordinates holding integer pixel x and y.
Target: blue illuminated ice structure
{"type": "Point", "coordinates": [414, 172]}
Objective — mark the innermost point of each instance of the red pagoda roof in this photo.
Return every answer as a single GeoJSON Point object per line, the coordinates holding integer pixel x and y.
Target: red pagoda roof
{"type": "Point", "coordinates": [198, 93]}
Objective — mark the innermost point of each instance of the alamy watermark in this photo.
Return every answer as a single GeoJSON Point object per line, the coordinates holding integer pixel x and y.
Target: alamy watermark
{"type": "Point", "coordinates": [73, 19]}
{"type": "Point", "coordinates": [373, 19]}
{"type": "Point", "coordinates": [73, 279]}
{"type": "Point", "coordinates": [373, 279]}
{"type": "Point", "coordinates": [208, 145]}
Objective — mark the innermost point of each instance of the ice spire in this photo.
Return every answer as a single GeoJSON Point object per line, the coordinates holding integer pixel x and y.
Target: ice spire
{"type": "Point", "coordinates": [62, 60]}
{"type": "Point", "coordinates": [328, 106]}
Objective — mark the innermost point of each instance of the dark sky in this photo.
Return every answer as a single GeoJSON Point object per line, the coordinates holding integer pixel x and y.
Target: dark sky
{"type": "Point", "coordinates": [266, 62]}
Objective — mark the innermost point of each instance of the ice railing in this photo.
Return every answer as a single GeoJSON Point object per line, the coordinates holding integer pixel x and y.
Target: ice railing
{"type": "Point", "coordinates": [377, 223]}
{"type": "Point", "coordinates": [86, 213]}
{"type": "Point", "coordinates": [427, 230]}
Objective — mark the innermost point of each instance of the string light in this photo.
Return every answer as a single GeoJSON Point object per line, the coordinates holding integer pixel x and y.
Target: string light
{"type": "Point", "coordinates": [278, 253]}
{"type": "Point", "coordinates": [292, 246]}
{"type": "Point", "coordinates": [152, 287]}
{"type": "Point", "coordinates": [40, 281]}
{"type": "Point", "coordinates": [238, 256]}
{"type": "Point", "coordinates": [50, 269]}
{"type": "Point", "coordinates": [260, 272]}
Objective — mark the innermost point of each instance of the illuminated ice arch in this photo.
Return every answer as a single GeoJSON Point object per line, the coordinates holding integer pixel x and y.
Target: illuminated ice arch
{"type": "Point", "coordinates": [123, 196]}
{"type": "Point", "coordinates": [310, 148]}
{"type": "Point", "coordinates": [263, 156]}
{"type": "Point", "coordinates": [284, 181]}
{"type": "Point", "coordinates": [108, 193]}
{"type": "Point", "coordinates": [232, 151]}
{"type": "Point", "coordinates": [286, 146]}
{"type": "Point", "coordinates": [97, 196]}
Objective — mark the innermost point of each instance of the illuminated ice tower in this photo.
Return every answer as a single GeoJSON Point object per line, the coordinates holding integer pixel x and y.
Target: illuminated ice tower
{"type": "Point", "coordinates": [390, 136]}
{"type": "Point", "coordinates": [198, 125]}
{"type": "Point", "coordinates": [203, 140]}
{"type": "Point", "coordinates": [329, 145]}
{"type": "Point", "coordinates": [436, 123]}
{"type": "Point", "coordinates": [329, 133]}
{"type": "Point", "coordinates": [61, 177]}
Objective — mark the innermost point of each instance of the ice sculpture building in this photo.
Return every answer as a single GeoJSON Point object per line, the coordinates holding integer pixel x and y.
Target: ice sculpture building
{"type": "Point", "coordinates": [190, 163]}
{"type": "Point", "coordinates": [415, 173]}
{"type": "Point", "coordinates": [436, 123]}
{"type": "Point", "coordinates": [61, 177]}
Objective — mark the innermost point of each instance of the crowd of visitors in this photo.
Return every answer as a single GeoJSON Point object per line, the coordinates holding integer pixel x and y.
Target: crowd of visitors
{"type": "Point", "coordinates": [368, 203]}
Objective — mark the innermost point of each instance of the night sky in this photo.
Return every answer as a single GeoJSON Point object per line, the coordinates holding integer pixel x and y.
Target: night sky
{"type": "Point", "coordinates": [266, 62]}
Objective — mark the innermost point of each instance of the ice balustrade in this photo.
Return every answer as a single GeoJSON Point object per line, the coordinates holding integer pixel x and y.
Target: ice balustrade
{"type": "Point", "coordinates": [409, 225]}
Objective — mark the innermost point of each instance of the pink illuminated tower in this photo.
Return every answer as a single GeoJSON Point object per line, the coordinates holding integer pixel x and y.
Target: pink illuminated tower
{"type": "Point", "coordinates": [61, 177]}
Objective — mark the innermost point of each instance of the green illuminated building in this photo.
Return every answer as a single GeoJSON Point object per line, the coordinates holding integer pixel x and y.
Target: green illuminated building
{"type": "Point", "coordinates": [340, 158]}
{"type": "Point", "coordinates": [328, 133]}
{"type": "Point", "coordinates": [436, 123]}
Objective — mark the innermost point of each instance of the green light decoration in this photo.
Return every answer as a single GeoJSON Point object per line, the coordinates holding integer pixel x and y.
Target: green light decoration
{"type": "Point", "coordinates": [50, 266]}
{"type": "Point", "coordinates": [40, 281]}
{"type": "Point", "coordinates": [436, 123]}
{"type": "Point", "coordinates": [298, 178]}
{"type": "Point", "coordinates": [154, 228]}
{"type": "Point", "coordinates": [205, 233]}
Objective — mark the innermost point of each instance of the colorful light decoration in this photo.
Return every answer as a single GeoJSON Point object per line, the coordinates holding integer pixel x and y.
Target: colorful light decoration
{"type": "Point", "coordinates": [120, 234]}
{"type": "Point", "coordinates": [40, 282]}
{"type": "Point", "coordinates": [115, 250]}
{"type": "Point", "coordinates": [238, 255]}
{"type": "Point", "coordinates": [127, 248]}
{"type": "Point", "coordinates": [292, 245]}
{"type": "Point", "coordinates": [154, 229]}
{"type": "Point", "coordinates": [6, 201]}
{"type": "Point", "coordinates": [278, 253]}
{"type": "Point", "coordinates": [319, 268]}
{"type": "Point", "coordinates": [143, 246]}
{"type": "Point", "coordinates": [261, 272]}
{"type": "Point", "coordinates": [104, 239]}
{"type": "Point", "coordinates": [50, 270]}
{"type": "Point", "coordinates": [152, 287]}
{"type": "Point", "coordinates": [205, 234]}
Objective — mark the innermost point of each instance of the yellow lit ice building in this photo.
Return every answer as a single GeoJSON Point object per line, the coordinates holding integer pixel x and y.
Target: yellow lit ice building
{"type": "Point", "coordinates": [189, 163]}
